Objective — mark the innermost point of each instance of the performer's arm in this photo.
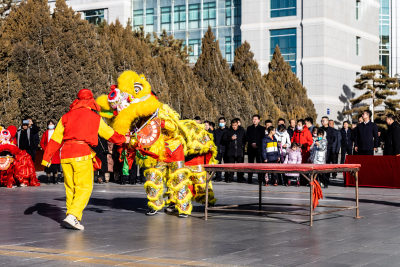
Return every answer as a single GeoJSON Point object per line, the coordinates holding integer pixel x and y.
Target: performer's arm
{"type": "Point", "coordinates": [109, 134]}
{"type": "Point", "coordinates": [54, 144]}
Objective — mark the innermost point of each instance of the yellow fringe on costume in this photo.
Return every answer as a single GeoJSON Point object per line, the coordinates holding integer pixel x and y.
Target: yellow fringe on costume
{"type": "Point", "coordinates": [194, 139]}
{"type": "Point", "coordinates": [199, 181]}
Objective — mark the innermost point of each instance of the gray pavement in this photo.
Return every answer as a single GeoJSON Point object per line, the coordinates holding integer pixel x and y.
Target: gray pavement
{"type": "Point", "coordinates": [119, 234]}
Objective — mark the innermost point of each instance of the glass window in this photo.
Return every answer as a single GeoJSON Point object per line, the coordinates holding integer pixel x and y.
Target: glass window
{"type": "Point", "coordinates": [180, 17]}
{"type": "Point", "coordinates": [286, 39]}
{"type": "Point", "coordinates": [149, 20]}
{"type": "Point", "coordinates": [94, 16]}
{"type": "Point", "coordinates": [358, 9]}
{"type": "Point", "coordinates": [237, 12]}
{"type": "Point", "coordinates": [209, 14]}
{"type": "Point", "coordinates": [138, 17]}
{"type": "Point", "coordinates": [283, 8]}
{"type": "Point", "coordinates": [384, 34]}
{"type": "Point", "coordinates": [228, 48]}
{"type": "Point", "coordinates": [195, 45]}
{"type": "Point", "coordinates": [194, 16]}
{"type": "Point", "coordinates": [166, 18]}
{"type": "Point", "coordinates": [357, 46]}
{"type": "Point", "coordinates": [228, 12]}
{"type": "Point", "coordinates": [237, 41]}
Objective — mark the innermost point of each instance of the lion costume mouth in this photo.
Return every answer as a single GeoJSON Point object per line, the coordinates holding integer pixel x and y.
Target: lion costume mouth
{"type": "Point", "coordinates": [5, 162]}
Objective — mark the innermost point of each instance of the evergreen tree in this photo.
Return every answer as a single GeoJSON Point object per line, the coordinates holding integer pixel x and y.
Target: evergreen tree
{"type": "Point", "coordinates": [54, 57]}
{"type": "Point", "coordinates": [375, 86]}
{"type": "Point", "coordinates": [184, 90]}
{"type": "Point", "coordinates": [221, 86]}
{"type": "Point", "coordinates": [289, 94]}
{"type": "Point", "coordinates": [246, 70]}
{"type": "Point", "coordinates": [10, 93]}
{"type": "Point", "coordinates": [131, 52]}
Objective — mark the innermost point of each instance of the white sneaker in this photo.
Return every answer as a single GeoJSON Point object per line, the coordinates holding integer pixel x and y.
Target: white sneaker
{"type": "Point", "coordinates": [71, 222]}
{"type": "Point", "coordinates": [23, 185]}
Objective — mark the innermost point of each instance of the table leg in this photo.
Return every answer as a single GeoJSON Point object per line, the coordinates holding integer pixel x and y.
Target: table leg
{"type": "Point", "coordinates": [312, 177]}
{"type": "Point", "coordinates": [357, 197]}
{"type": "Point", "coordinates": [208, 178]}
{"type": "Point", "coordinates": [259, 194]}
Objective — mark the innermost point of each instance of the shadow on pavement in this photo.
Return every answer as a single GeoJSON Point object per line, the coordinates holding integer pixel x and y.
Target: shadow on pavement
{"type": "Point", "coordinates": [124, 203]}
{"type": "Point", "coordinates": [47, 210]}
{"type": "Point", "coordinates": [371, 201]}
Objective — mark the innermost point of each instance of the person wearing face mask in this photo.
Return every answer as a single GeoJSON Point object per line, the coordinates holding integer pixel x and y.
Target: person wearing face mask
{"type": "Point", "coordinates": [303, 137]}
{"type": "Point", "coordinates": [52, 171]}
{"type": "Point", "coordinates": [220, 142]}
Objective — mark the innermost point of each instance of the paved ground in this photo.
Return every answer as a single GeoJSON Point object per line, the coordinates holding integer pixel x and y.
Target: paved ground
{"type": "Point", "coordinates": [118, 233]}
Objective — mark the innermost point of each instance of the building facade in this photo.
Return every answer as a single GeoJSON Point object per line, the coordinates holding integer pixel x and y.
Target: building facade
{"type": "Point", "coordinates": [325, 42]}
{"type": "Point", "coordinates": [189, 20]}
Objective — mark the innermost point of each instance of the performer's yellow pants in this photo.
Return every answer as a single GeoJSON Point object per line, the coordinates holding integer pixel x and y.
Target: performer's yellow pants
{"type": "Point", "coordinates": [78, 181]}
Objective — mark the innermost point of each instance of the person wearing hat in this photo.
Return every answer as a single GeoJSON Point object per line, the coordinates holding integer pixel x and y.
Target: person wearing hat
{"type": "Point", "coordinates": [75, 133]}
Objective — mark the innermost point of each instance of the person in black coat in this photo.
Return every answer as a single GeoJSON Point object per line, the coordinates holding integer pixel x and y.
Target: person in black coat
{"type": "Point", "coordinates": [219, 140]}
{"type": "Point", "coordinates": [291, 128]}
{"type": "Point", "coordinates": [332, 138]}
{"type": "Point", "coordinates": [366, 136]}
{"type": "Point", "coordinates": [28, 137]}
{"type": "Point", "coordinates": [254, 135]}
{"type": "Point", "coordinates": [392, 140]}
{"type": "Point", "coordinates": [347, 141]}
{"type": "Point", "coordinates": [235, 140]}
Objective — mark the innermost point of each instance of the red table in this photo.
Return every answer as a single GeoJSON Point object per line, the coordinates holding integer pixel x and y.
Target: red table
{"type": "Point", "coordinates": [376, 171]}
{"type": "Point", "coordinates": [308, 171]}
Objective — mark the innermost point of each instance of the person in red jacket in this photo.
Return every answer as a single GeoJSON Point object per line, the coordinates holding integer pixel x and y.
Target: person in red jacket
{"type": "Point", "coordinates": [303, 137]}
{"type": "Point", "coordinates": [76, 131]}
{"type": "Point", "coordinates": [53, 170]}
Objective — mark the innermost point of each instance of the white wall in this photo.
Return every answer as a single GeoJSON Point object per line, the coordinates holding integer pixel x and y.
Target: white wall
{"type": "Point", "coordinates": [115, 9]}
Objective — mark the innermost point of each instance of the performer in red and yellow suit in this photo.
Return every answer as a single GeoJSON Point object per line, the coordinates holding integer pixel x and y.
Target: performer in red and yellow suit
{"type": "Point", "coordinates": [75, 133]}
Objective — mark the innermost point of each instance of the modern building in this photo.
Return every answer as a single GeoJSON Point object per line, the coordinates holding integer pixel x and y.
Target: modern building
{"type": "Point", "coordinates": [96, 11]}
{"type": "Point", "coordinates": [389, 47]}
{"type": "Point", "coordinates": [189, 20]}
{"type": "Point", "coordinates": [325, 42]}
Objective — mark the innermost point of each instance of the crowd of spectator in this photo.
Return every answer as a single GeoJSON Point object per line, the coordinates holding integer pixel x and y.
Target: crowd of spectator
{"type": "Point", "coordinates": [300, 141]}
{"type": "Point", "coordinates": [293, 142]}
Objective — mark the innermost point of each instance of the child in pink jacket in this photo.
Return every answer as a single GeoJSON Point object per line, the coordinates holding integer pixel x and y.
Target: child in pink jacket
{"type": "Point", "coordinates": [293, 156]}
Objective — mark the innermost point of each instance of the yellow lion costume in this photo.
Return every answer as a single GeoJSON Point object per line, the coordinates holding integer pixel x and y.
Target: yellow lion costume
{"type": "Point", "coordinates": [172, 150]}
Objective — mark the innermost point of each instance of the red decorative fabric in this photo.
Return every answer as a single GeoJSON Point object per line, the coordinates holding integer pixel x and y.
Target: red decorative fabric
{"type": "Point", "coordinates": [317, 193]}
{"type": "Point", "coordinates": [199, 160]}
{"type": "Point", "coordinates": [25, 169]}
{"type": "Point", "coordinates": [375, 171]}
{"type": "Point", "coordinates": [283, 167]}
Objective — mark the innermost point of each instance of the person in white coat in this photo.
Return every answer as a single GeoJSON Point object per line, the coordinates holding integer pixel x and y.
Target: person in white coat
{"type": "Point", "coordinates": [283, 138]}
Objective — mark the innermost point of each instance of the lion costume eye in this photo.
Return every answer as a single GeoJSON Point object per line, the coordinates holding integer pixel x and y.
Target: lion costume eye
{"type": "Point", "coordinates": [138, 87]}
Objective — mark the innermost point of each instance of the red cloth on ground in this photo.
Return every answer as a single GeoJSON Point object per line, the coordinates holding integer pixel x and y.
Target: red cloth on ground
{"type": "Point", "coordinates": [376, 171]}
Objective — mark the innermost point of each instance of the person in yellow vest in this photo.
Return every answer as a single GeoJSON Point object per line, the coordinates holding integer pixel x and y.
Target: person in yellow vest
{"type": "Point", "coordinates": [76, 131]}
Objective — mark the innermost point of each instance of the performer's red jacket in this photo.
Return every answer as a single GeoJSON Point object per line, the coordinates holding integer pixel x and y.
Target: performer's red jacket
{"type": "Point", "coordinates": [76, 132]}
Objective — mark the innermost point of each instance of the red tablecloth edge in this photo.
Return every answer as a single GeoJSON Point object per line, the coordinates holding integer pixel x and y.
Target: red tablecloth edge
{"type": "Point", "coordinates": [284, 167]}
